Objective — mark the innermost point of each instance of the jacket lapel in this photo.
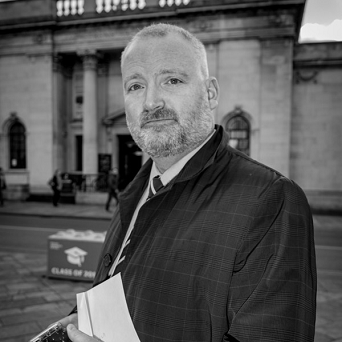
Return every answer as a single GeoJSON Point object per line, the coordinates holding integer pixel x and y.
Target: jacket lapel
{"type": "Point", "coordinates": [130, 198]}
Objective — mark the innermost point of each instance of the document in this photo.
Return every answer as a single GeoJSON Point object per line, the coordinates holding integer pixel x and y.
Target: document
{"type": "Point", "coordinates": [103, 312]}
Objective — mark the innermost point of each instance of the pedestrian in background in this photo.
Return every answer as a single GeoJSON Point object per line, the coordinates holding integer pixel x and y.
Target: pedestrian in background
{"type": "Point", "coordinates": [2, 186]}
{"type": "Point", "coordinates": [56, 186]}
{"type": "Point", "coordinates": [112, 184]}
{"type": "Point", "coordinates": [211, 245]}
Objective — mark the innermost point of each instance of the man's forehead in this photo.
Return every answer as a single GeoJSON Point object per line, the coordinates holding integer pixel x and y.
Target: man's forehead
{"type": "Point", "coordinates": [172, 45]}
{"type": "Point", "coordinates": [162, 56]}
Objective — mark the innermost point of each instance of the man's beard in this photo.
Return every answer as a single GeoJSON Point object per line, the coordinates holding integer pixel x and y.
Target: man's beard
{"type": "Point", "coordinates": [170, 139]}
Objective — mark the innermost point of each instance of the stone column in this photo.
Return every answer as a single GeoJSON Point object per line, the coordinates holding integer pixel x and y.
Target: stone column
{"type": "Point", "coordinates": [102, 91]}
{"type": "Point", "coordinates": [90, 127]}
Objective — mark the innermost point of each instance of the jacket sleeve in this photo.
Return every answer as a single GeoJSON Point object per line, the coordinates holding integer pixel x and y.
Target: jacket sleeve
{"type": "Point", "coordinates": [107, 254]}
{"type": "Point", "coordinates": [272, 296]}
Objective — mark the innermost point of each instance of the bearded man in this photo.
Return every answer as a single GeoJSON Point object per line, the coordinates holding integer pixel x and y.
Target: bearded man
{"type": "Point", "coordinates": [211, 245]}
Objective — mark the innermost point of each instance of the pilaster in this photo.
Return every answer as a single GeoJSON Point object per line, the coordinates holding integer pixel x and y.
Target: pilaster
{"type": "Point", "coordinates": [58, 119]}
{"type": "Point", "coordinates": [90, 125]}
{"type": "Point", "coordinates": [102, 106]}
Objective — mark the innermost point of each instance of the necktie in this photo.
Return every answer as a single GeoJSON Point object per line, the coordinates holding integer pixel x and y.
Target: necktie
{"type": "Point", "coordinates": [119, 264]}
{"type": "Point", "coordinates": [155, 186]}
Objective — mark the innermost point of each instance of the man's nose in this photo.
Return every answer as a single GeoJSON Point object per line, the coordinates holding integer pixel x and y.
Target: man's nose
{"type": "Point", "coordinates": [153, 99]}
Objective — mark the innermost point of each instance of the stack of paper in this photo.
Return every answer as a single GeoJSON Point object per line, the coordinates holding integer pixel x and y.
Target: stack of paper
{"type": "Point", "coordinates": [103, 312]}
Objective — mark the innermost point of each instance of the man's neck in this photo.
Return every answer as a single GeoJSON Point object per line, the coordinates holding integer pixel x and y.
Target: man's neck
{"type": "Point", "coordinates": [165, 163]}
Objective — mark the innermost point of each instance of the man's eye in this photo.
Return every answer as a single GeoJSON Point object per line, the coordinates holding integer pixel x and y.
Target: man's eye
{"type": "Point", "coordinates": [174, 81]}
{"type": "Point", "coordinates": [134, 87]}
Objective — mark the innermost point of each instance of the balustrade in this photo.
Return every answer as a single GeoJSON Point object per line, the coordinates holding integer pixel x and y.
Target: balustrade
{"type": "Point", "coordinates": [163, 3]}
{"type": "Point", "coordinates": [76, 7]}
{"type": "Point", "coordinates": [69, 7]}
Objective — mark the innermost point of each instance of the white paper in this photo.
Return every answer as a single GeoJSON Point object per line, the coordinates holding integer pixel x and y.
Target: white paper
{"type": "Point", "coordinates": [103, 312]}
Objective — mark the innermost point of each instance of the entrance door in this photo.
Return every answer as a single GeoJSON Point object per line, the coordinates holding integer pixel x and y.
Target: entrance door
{"type": "Point", "coordinates": [130, 160]}
{"type": "Point", "coordinates": [78, 152]}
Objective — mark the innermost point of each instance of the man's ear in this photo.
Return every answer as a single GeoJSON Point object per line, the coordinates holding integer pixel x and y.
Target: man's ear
{"type": "Point", "coordinates": [213, 91]}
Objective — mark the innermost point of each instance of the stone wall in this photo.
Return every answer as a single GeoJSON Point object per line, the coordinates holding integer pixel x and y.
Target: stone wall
{"type": "Point", "coordinates": [316, 127]}
{"type": "Point", "coordinates": [20, 11]}
{"type": "Point", "coordinates": [27, 93]}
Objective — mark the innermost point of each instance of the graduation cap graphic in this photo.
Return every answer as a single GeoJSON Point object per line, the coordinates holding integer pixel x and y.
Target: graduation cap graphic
{"type": "Point", "coordinates": [75, 255]}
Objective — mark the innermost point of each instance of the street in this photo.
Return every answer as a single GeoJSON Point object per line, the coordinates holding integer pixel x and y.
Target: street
{"type": "Point", "coordinates": [30, 233]}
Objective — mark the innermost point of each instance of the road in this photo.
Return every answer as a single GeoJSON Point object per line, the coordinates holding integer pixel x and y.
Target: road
{"type": "Point", "coordinates": [30, 233]}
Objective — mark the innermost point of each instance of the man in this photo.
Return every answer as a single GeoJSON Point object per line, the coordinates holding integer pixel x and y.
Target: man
{"type": "Point", "coordinates": [224, 251]}
{"type": "Point", "coordinates": [56, 186]}
{"type": "Point", "coordinates": [112, 184]}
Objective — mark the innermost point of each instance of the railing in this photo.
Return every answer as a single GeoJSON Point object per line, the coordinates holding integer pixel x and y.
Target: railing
{"type": "Point", "coordinates": [89, 182]}
{"type": "Point", "coordinates": [77, 7]}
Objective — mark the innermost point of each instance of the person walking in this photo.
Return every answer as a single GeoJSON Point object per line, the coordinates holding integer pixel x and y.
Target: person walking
{"type": "Point", "coordinates": [211, 245]}
{"type": "Point", "coordinates": [56, 186]}
{"type": "Point", "coordinates": [2, 186]}
{"type": "Point", "coordinates": [112, 185]}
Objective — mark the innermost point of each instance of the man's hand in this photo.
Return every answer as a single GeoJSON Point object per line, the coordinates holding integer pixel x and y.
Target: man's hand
{"type": "Point", "coordinates": [71, 319]}
{"type": "Point", "coordinates": [71, 323]}
{"type": "Point", "coordinates": [77, 336]}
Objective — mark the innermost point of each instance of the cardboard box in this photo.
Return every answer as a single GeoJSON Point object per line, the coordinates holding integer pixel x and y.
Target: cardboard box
{"type": "Point", "coordinates": [74, 254]}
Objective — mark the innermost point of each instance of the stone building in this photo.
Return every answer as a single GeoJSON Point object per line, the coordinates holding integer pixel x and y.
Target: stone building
{"type": "Point", "coordinates": [61, 100]}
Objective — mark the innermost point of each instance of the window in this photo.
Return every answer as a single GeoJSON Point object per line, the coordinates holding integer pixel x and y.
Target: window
{"type": "Point", "coordinates": [17, 146]}
{"type": "Point", "coordinates": [238, 131]}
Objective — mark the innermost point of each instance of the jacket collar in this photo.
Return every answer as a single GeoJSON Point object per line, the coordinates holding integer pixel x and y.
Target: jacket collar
{"type": "Point", "coordinates": [199, 162]}
{"type": "Point", "coordinates": [205, 156]}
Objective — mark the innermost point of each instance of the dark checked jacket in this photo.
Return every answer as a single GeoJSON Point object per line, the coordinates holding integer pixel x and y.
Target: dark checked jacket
{"type": "Point", "coordinates": [225, 252]}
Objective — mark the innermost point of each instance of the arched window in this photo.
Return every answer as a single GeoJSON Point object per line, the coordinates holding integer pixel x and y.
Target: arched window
{"type": "Point", "coordinates": [17, 146]}
{"type": "Point", "coordinates": [238, 130]}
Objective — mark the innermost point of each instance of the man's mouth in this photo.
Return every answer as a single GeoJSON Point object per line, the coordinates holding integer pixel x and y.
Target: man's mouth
{"type": "Point", "coordinates": [158, 118]}
{"type": "Point", "coordinates": [157, 122]}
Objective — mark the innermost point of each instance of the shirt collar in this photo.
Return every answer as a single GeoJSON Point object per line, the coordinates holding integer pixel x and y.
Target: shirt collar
{"type": "Point", "coordinates": [174, 169]}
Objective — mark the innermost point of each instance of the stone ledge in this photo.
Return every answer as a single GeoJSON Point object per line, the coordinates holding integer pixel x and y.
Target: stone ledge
{"type": "Point", "coordinates": [325, 202]}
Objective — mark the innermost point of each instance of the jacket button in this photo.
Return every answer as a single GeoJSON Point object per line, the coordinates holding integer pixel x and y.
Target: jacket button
{"type": "Point", "coordinates": [107, 259]}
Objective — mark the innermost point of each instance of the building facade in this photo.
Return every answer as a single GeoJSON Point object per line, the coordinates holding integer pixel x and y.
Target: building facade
{"type": "Point", "coordinates": [61, 98]}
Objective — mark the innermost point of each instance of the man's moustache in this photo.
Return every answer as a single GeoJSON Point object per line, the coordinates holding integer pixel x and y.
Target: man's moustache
{"type": "Point", "coordinates": [160, 114]}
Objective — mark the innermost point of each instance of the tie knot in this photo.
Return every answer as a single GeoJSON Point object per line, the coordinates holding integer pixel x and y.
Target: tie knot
{"type": "Point", "coordinates": [156, 185]}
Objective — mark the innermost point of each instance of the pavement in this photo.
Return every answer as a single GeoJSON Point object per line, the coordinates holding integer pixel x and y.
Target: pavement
{"type": "Point", "coordinates": [30, 301]}
{"type": "Point", "coordinates": [62, 210]}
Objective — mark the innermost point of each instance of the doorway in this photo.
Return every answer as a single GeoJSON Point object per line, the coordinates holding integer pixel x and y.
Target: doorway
{"type": "Point", "coordinates": [130, 160]}
{"type": "Point", "coordinates": [78, 152]}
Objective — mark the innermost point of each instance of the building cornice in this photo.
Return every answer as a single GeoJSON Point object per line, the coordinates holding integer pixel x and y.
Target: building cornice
{"type": "Point", "coordinates": [54, 22]}
{"type": "Point", "coordinates": [322, 63]}
{"type": "Point", "coordinates": [318, 55]}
